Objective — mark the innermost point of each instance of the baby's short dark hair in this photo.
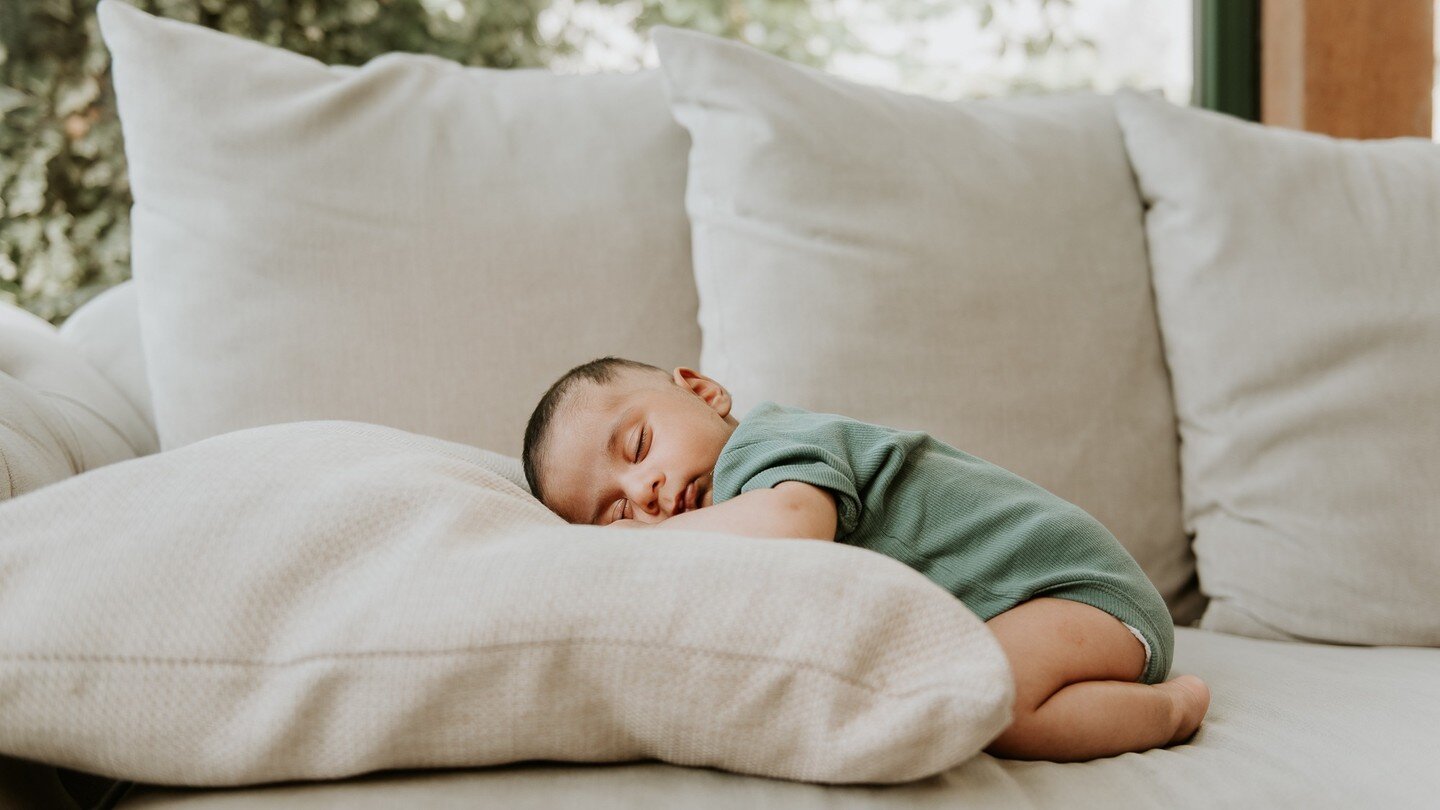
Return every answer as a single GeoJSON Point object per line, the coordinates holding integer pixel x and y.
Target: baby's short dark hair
{"type": "Point", "coordinates": [601, 371]}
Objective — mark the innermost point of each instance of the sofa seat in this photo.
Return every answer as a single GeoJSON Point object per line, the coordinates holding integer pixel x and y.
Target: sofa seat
{"type": "Point", "coordinates": [1290, 725]}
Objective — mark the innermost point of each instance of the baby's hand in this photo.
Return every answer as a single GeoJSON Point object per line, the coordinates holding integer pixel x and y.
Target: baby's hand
{"type": "Point", "coordinates": [630, 523]}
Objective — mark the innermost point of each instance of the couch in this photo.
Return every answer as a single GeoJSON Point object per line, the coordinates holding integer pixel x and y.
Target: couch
{"type": "Point", "coordinates": [1220, 338]}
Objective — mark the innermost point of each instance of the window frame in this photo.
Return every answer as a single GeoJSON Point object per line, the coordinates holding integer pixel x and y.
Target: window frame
{"type": "Point", "coordinates": [1227, 57]}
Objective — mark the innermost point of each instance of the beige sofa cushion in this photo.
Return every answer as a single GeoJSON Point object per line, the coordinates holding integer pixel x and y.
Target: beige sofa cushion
{"type": "Point", "coordinates": [1298, 284]}
{"type": "Point", "coordinates": [58, 415]}
{"type": "Point", "coordinates": [976, 270]}
{"type": "Point", "coordinates": [410, 242]}
{"type": "Point", "coordinates": [322, 599]}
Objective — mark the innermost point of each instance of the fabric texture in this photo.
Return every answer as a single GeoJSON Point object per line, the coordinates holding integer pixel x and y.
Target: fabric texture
{"type": "Point", "coordinates": [984, 534]}
{"type": "Point", "coordinates": [59, 416]}
{"type": "Point", "coordinates": [1317, 726]}
{"type": "Point", "coordinates": [976, 270]}
{"type": "Point", "coordinates": [321, 599]}
{"type": "Point", "coordinates": [1298, 283]}
{"type": "Point", "coordinates": [410, 242]}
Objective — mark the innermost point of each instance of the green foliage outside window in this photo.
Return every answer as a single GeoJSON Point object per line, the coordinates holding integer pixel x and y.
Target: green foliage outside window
{"type": "Point", "coordinates": [64, 194]}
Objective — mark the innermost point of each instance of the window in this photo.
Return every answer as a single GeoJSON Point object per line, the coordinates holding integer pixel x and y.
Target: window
{"type": "Point", "coordinates": [944, 48]}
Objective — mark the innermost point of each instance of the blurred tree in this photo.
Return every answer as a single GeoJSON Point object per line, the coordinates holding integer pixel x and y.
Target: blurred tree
{"type": "Point", "coordinates": [64, 194]}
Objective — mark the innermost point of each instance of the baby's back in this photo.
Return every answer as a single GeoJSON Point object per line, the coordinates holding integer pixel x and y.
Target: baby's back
{"type": "Point", "coordinates": [985, 534]}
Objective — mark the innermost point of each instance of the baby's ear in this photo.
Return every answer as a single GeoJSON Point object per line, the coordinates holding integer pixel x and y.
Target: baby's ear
{"type": "Point", "coordinates": [707, 389]}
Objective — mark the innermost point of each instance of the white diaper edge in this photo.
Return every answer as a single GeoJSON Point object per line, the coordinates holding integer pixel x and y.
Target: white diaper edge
{"type": "Point", "coordinates": [1142, 641]}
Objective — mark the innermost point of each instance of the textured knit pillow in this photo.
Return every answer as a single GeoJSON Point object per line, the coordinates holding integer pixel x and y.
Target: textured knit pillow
{"type": "Point", "coordinates": [322, 599]}
{"type": "Point", "coordinates": [410, 242]}
{"type": "Point", "coordinates": [1298, 284]}
{"type": "Point", "coordinates": [975, 269]}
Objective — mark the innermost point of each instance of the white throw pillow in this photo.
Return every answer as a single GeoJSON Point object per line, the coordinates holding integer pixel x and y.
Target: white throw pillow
{"type": "Point", "coordinates": [410, 242]}
{"type": "Point", "coordinates": [58, 415]}
{"type": "Point", "coordinates": [974, 269]}
{"type": "Point", "coordinates": [106, 331]}
{"type": "Point", "coordinates": [322, 599]}
{"type": "Point", "coordinates": [1298, 283]}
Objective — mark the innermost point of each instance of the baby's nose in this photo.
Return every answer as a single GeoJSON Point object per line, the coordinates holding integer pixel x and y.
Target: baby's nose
{"type": "Point", "coordinates": [648, 492]}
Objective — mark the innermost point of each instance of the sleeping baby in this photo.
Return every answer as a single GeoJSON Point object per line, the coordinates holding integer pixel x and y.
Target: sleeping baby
{"type": "Point", "coordinates": [1089, 640]}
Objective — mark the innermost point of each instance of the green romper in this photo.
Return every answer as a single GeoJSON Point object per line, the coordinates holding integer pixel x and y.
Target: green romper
{"type": "Point", "coordinates": [986, 535]}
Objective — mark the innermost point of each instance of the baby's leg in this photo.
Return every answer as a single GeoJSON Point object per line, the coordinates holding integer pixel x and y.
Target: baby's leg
{"type": "Point", "coordinates": [1076, 698]}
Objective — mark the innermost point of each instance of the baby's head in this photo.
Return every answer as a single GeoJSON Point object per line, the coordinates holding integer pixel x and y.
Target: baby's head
{"type": "Point", "coordinates": [615, 439]}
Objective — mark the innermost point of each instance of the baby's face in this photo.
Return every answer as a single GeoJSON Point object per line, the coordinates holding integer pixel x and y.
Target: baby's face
{"type": "Point", "coordinates": [640, 447]}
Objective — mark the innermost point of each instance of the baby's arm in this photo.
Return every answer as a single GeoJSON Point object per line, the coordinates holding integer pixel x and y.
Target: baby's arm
{"type": "Point", "coordinates": [788, 509]}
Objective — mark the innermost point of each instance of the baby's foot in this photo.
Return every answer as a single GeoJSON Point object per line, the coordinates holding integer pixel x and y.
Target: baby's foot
{"type": "Point", "coordinates": [1192, 700]}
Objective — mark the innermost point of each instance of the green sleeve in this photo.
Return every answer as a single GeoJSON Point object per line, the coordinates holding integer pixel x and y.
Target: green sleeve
{"type": "Point", "coordinates": [768, 462]}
